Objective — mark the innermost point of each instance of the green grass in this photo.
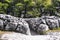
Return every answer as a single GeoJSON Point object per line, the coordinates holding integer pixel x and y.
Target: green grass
{"type": "Point", "coordinates": [54, 30]}
{"type": "Point", "coordinates": [3, 32]}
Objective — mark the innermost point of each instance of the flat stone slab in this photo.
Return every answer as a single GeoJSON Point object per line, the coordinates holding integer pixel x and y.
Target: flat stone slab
{"type": "Point", "coordinates": [18, 36]}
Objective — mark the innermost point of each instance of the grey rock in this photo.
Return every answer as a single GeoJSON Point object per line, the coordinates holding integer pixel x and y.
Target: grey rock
{"type": "Point", "coordinates": [23, 27]}
{"type": "Point", "coordinates": [11, 26]}
{"type": "Point", "coordinates": [2, 16]}
{"type": "Point", "coordinates": [42, 28]}
{"type": "Point", "coordinates": [6, 22]}
{"type": "Point", "coordinates": [35, 22]}
{"type": "Point", "coordinates": [41, 21]}
{"type": "Point", "coordinates": [18, 36]}
{"type": "Point", "coordinates": [59, 22]}
{"type": "Point", "coordinates": [49, 17]}
{"type": "Point", "coordinates": [1, 24]}
{"type": "Point", "coordinates": [52, 23]}
{"type": "Point", "coordinates": [7, 17]}
{"type": "Point", "coordinates": [18, 26]}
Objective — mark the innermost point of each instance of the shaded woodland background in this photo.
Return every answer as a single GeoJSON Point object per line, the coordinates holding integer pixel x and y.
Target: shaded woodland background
{"type": "Point", "coordinates": [30, 8]}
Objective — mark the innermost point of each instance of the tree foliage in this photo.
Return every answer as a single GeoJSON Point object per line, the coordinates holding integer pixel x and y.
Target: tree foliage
{"type": "Point", "coordinates": [30, 8]}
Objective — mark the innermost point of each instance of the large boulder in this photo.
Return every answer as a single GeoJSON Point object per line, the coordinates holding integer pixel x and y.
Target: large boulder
{"type": "Point", "coordinates": [23, 27]}
{"type": "Point", "coordinates": [52, 23]}
{"type": "Point", "coordinates": [42, 28]}
{"type": "Point", "coordinates": [18, 26]}
{"type": "Point", "coordinates": [12, 23]}
{"type": "Point", "coordinates": [11, 26]}
{"type": "Point", "coordinates": [35, 22]}
{"type": "Point", "coordinates": [7, 17]}
{"type": "Point", "coordinates": [6, 22]}
{"type": "Point", "coordinates": [2, 16]}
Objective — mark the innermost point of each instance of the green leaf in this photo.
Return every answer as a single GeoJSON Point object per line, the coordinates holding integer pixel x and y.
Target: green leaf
{"type": "Point", "coordinates": [26, 1]}
{"type": "Point", "coordinates": [32, 3]}
{"type": "Point", "coordinates": [47, 3]}
{"type": "Point", "coordinates": [19, 4]}
{"type": "Point", "coordinates": [9, 1]}
{"type": "Point", "coordinates": [1, 4]}
{"type": "Point", "coordinates": [5, 5]}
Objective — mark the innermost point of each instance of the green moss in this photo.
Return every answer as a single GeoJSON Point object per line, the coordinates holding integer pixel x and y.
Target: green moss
{"type": "Point", "coordinates": [56, 28]}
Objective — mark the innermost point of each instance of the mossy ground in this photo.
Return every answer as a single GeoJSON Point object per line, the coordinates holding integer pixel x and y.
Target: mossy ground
{"type": "Point", "coordinates": [3, 32]}
{"type": "Point", "coordinates": [54, 30]}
